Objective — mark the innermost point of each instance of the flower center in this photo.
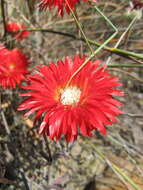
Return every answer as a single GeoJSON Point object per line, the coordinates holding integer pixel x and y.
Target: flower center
{"type": "Point", "coordinates": [70, 95]}
{"type": "Point", "coordinates": [11, 66]}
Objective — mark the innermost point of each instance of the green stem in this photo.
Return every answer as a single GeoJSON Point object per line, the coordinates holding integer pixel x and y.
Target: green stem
{"type": "Point", "coordinates": [124, 33]}
{"type": "Point", "coordinates": [111, 37]}
{"type": "Point", "coordinates": [117, 51]}
{"type": "Point", "coordinates": [80, 28]}
{"type": "Point", "coordinates": [106, 18]}
{"type": "Point", "coordinates": [117, 170]}
{"type": "Point", "coordinates": [128, 53]}
{"type": "Point", "coordinates": [98, 49]}
{"type": "Point", "coordinates": [125, 177]}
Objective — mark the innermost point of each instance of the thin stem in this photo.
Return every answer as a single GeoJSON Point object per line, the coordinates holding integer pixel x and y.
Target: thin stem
{"type": "Point", "coordinates": [86, 61]}
{"type": "Point", "coordinates": [79, 26]}
{"type": "Point", "coordinates": [3, 17]}
{"type": "Point", "coordinates": [106, 18]}
{"type": "Point", "coordinates": [124, 33]}
{"type": "Point", "coordinates": [79, 35]}
{"type": "Point", "coordinates": [117, 51]}
{"type": "Point", "coordinates": [122, 36]}
{"type": "Point", "coordinates": [124, 178]}
{"type": "Point", "coordinates": [99, 48]}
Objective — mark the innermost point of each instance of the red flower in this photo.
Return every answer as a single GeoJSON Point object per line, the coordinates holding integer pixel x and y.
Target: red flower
{"type": "Point", "coordinates": [87, 104]}
{"type": "Point", "coordinates": [137, 4]}
{"type": "Point", "coordinates": [13, 28]}
{"type": "Point", "coordinates": [13, 67]}
{"type": "Point", "coordinates": [62, 4]}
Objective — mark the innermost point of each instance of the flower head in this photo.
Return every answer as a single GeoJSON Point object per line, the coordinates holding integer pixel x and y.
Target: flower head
{"type": "Point", "coordinates": [13, 28]}
{"type": "Point", "coordinates": [13, 67]}
{"type": "Point", "coordinates": [137, 4]}
{"type": "Point", "coordinates": [62, 4]}
{"type": "Point", "coordinates": [83, 105]}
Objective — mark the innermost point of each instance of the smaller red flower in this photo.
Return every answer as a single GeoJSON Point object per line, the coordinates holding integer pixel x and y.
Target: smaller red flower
{"type": "Point", "coordinates": [13, 28]}
{"type": "Point", "coordinates": [62, 4]}
{"type": "Point", "coordinates": [13, 67]}
{"type": "Point", "coordinates": [137, 4]}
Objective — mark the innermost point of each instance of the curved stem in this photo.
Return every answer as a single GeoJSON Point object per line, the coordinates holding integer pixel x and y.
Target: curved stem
{"type": "Point", "coordinates": [99, 48]}
{"type": "Point", "coordinates": [79, 26]}
{"type": "Point", "coordinates": [117, 51]}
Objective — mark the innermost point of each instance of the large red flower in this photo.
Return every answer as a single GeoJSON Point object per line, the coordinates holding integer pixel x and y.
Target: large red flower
{"type": "Point", "coordinates": [61, 4]}
{"type": "Point", "coordinates": [86, 104]}
{"type": "Point", "coordinates": [13, 28]}
{"type": "Point", "coordinates": [13, 67]}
